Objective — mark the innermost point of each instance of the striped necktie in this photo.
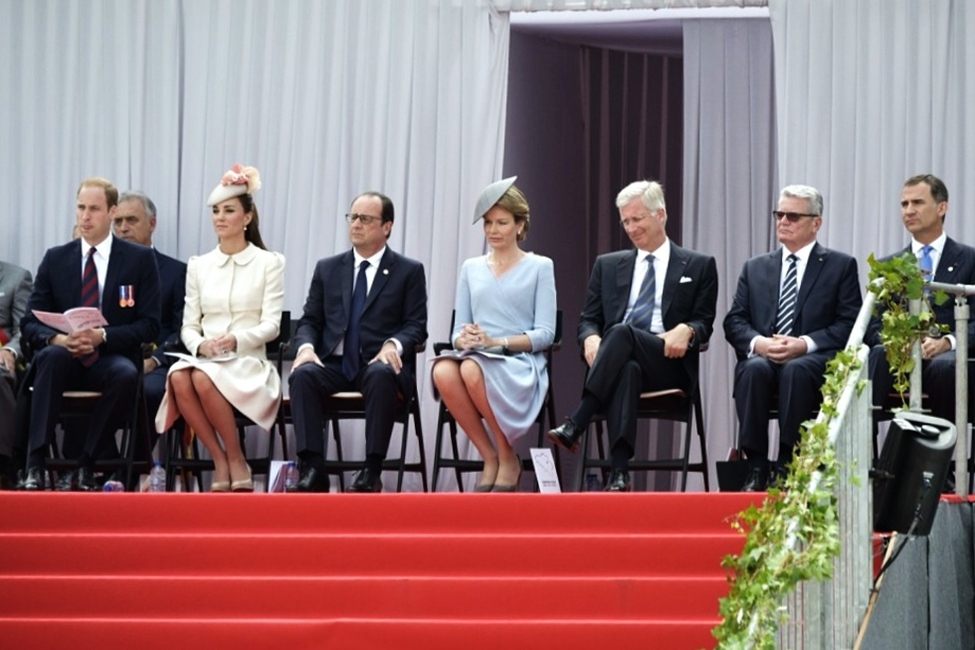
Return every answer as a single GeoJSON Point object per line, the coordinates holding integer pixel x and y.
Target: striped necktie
{"type": "Point", "coordinates": [642, 315]}
{"type": "Point", "coordinates": [89, 297]}
{"type": "Point", "coordinates": [787, 299]}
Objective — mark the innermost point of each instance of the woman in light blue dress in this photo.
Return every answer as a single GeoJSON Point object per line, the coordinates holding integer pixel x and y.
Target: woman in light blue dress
{"type": "Point", "coordinates": [504, 321]}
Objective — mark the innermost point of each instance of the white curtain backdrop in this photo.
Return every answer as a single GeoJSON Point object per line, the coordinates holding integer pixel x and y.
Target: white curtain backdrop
{"type": "Point", "coordinates": [870, 93]}
{"type": "Point", "coordinates": [729, 182]}
{"type": "Point", "coordinates": [326, 98]}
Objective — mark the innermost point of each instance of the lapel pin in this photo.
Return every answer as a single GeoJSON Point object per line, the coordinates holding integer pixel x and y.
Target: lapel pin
{"type": "Point", "coordinates": [950, 269]}
{"type": "Point", "coordinates": [385, 271]}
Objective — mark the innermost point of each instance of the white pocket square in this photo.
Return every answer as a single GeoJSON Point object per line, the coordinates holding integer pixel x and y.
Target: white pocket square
{"type": "Point", "coordinates": [684, 279]}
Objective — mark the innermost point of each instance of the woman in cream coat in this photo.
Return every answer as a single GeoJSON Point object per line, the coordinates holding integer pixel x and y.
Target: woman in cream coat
{"type": "Point", "coordinates": [234, 296]}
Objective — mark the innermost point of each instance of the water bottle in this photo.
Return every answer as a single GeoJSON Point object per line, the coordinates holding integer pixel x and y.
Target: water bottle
{"type": "Point", "coordinates": [113, 486]}
{"type": "Point", "coordinates": [157, 478]}
{"type": "Point", "coordinates": [290, 476]}
{"type": "Point", "coordinates": [593, 483]}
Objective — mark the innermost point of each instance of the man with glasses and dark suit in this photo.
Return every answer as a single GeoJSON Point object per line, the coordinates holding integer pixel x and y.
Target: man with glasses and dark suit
{"type": "Point", "coordinates": [365, 313]}
{"type": "Point", "coordinates": [792, 310]}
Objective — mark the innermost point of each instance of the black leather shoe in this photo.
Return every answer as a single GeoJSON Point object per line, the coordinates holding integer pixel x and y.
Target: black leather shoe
{"type": "Point", "coordinates": [85, 480]}
{"type": "Point", "coordinates": [619, 481]}
{"type": "Point", "coordinates": [366, 481]}
{"type": "Point", "coordinates": [67, 481]}
{"type": "Point", "coordinates": [777, 477]}
{"type": "Point", "coordinates": [566, 435]}
{"type": "Point", "coordinates": [756, 481]}
{"type": "Point", "coordinates": [33, 480]}
{"type": "Point", "coordinates": [311, 479]}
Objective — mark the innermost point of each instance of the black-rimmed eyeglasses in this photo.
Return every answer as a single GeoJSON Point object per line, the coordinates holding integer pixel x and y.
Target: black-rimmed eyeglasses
{"type": "Point", "coordinates": [791, 217]}
{"type": "Point", "coordinates": [364, 219]}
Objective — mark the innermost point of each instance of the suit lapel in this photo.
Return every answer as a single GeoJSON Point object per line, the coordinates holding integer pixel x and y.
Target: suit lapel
{"type": "Point", "coordinates": [817, 259]}
{"type": "Point", "coordinates": [950, 264]}
{"type": "Point", "coordinates": [382, 277]}
{"type": "Point", "coordinates": [345, 272]}
{"type": "Point", "coordinates": [675, 271]}
{"type": "Point", "coordinates": [624, 280]}
{"type": "Point", "coordinates": [73, 273]}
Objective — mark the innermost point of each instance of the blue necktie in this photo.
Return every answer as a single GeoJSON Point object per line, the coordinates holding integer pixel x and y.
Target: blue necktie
{"type": "Point", "coordinates": [787, 299]}
{"type": "Point", "coordinates": [642, 315]}
{"type": "Point", "coordinates": [351, 356]}
{"type": "Point", "coordinates": [926, 263]}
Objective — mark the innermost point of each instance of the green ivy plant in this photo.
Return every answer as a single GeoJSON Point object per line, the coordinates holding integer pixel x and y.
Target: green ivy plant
{"type": "Point", "coordinates": [794, 534]}
{"type": "Point", "coordinates": [902, 282]}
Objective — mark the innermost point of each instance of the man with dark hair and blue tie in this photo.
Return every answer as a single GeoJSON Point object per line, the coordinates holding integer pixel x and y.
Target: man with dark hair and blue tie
{"type": "Point", "coordinates": [365, 314]}
{"type": "Point", "coordinates": [648, 312]}
{"type": "Point", "coordinates": [793, 309]}
{"type": "Point", "coordinates": [121, 280]}
{"type": "Point", "coordinates": [924, 204]}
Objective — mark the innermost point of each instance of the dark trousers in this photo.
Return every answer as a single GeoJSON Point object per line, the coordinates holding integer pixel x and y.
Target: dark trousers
{"type": "Point", "coordinates": [937, 381]}
{"type": "Point", "coordinates": [377, 382]}
{"type": "Point", "coordinates": [629, 362]}
{"type": "Point", "coordinates": [8, 407]}
{"type": "Point", "coordinates": [797, 383]}
{"type": "Point", "coordinates": [55, 371]}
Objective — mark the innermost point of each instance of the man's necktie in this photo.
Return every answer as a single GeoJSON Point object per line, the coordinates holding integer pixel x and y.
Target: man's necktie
{"type": "Point", "coordinates": [787, 300]}
{"type": "Point", "coordinates": [642, 315]}
{"type": "Point", "coordinates": [351, 355]}
{"type": "Point", "coordinates": [926, 263]}
{"type": "Point", "coordinates": [89, 297]}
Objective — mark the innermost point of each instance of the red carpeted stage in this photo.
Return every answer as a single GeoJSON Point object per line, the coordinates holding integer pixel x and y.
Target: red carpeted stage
{"type": "Point", "coordinates": [370, 571]}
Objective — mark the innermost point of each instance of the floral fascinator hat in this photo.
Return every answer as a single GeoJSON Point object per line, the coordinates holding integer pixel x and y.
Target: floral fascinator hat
{"type": "Point", "coordinates": [236, 181]}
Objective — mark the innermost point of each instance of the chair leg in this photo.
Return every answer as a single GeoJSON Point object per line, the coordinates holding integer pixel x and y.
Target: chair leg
{"type": "Point", "coordinates": [583, 460]}
{"type": "Point", "coordinates": [418, 430]}
{"type": "Point", "coordinates": [337, 436]}
{"type": "Point", "coordinates": [702, 435]}
{"type": "Point", "coordinates": [453, 443]}
{"type": "Point", "coordinates": [438, 446]}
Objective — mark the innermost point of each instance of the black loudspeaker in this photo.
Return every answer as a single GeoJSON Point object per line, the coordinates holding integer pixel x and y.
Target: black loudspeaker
{"type": "Point", "coordinates": [911, 471]}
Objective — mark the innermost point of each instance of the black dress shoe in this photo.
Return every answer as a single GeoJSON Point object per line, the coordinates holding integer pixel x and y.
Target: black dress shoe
{"type": "Point", "coordinates": [566, 435]}
{"type": "Point", "coordinates": [67, 481]}
{"type": "Point", "coordinates": [366, 480]}
{"type": "Point", "coordinates": [34, 479]}
{"type": "Point", "coordinates": [756, 481]}
{"type": "Point", "coordinates": [619, 481]}
{"type": "Point", "coordinates": [777, 477]}
{"type": "Point", "coordinates": [311, 479]}
{"type": "Point", "coordinates": [85, 480]}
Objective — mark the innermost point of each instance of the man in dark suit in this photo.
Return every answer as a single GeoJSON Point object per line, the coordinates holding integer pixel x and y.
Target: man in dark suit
{"type": "Point", "coordinates": [15, 284]}
{"type": "Point", "coordinates": [648, 311]}
{"type": "Point", "coordinates": [924, 204]}
{"type": "Point", "coordinates": [793, 309]}
{"type": "Point", "coordinates": [135, 221]}
{"type": "Point", "coordinates": [365, 313]}
{"type": "Point", "coordinates": [125, 282]}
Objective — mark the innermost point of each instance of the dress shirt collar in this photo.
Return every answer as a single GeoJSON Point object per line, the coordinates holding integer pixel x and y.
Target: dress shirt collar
{"type": "Point", "coordinates": [103, 249]}
{"type": "Point", "coordinates": [373, 259]}
{"type": "Point", "coordinates": [803, 253]}
{"type": "Point", "coordinates": [662, 254]}
{"type": "Point", "coordinates": [938, 244]}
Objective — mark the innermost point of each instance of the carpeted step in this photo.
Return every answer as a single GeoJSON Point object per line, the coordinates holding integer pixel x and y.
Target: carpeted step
{"type": "Point", "coordinates": [191, 554]}
{"type": "Point", "coordinates": [391, 596]}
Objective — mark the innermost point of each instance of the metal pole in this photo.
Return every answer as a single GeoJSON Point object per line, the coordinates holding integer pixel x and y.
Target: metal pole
{"type": "Point", "coordinates": [961, 394]}
{"type": "Point", "coordinates": [914, 399]}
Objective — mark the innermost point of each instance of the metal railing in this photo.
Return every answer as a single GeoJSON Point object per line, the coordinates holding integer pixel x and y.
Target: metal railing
{"type": "Point", "coordinates": [827, 614]}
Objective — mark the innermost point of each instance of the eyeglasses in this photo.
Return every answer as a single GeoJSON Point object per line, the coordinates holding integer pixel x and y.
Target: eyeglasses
{"type": "Point", "coordinates": [364, 219]}
{"type": "Point", "coordinates": [626, 223]}
{"type": "Point", "coordinates": [792, 217]}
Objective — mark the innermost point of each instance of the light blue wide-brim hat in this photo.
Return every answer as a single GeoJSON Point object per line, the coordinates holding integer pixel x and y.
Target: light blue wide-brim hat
{"type": "Point", "coordinates": [491, 195]}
